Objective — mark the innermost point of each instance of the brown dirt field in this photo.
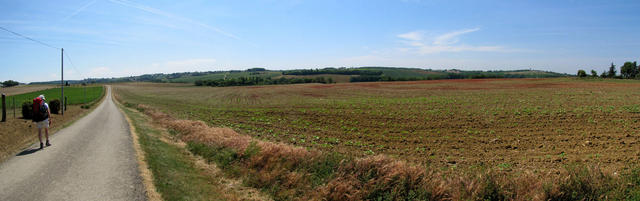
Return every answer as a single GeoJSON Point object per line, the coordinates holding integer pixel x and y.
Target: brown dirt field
{"type": "Point", "coordinates": [9, 91]}
{"type": "Point", "coordinates": [531, 124]}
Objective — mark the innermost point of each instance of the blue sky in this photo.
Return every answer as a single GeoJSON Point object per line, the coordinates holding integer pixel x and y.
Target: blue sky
{"type": "Point", "coordinates": [113, 38]}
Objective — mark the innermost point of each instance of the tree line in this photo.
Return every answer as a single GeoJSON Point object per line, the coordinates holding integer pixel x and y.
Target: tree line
{"type": "Point", "coordinates": [629, 70]}
{"type": "Point", "coordinates": [458, 75]}
{"type": "Point", "coordinates": [9, 83]}
{"type": "Point", "coordinates": [337, 71]}
{"type": "Point", "coordinates": [249, 81]}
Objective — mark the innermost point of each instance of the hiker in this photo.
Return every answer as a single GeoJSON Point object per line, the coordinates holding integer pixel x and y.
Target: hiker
{"type": "Point", "coordinates": [41, 114]}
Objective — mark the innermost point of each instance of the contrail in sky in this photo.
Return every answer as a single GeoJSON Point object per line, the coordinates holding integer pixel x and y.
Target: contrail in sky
{"type": "Point", "coordinates": [79, 10]}
{"type": "Point", "coordinates": [172, 16]}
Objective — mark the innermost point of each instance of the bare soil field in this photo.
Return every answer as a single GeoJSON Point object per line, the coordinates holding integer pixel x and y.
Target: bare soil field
{"type": "Point", "coordinates": [9, 91]}
{"type": "Point", "coordinates": [511, 124]}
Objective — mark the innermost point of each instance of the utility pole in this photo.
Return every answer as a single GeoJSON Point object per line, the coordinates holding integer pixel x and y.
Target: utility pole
{"type": "Point", "coordinates": [62, 77]}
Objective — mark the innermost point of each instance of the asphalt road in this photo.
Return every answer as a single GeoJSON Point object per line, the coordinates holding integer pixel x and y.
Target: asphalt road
{"type": "Point", "coordinates": [93, 159]}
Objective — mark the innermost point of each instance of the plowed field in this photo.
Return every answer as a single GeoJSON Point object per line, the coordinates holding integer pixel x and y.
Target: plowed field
{"type": "Point", "coordinates": [510, 124]}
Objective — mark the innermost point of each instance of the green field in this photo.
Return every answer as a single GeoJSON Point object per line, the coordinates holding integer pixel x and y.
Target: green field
{"type": "Point", "coordinates": [75, 95]}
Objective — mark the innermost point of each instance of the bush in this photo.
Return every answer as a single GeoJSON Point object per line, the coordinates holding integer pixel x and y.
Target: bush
{"type": "Point", "coordinates": [27, 110]}
{"type": "Point", "coordinates": [10, 83]}
{"type": "Point", "coordinates": [582, 73]}
{"type": "Point", "coordinates": [54, 106]}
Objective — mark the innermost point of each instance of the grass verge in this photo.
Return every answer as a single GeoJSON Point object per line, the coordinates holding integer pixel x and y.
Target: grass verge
{"type": "Point", "coordinates": [175, 173]}
{"type": "Point", "coordinates": [174, 176]}
{"type": "Point", "coordinates": [147, 177]}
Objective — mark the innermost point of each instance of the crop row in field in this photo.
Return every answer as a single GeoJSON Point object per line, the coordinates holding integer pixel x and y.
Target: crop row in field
{"type": "Point", "coordinates": [505, 123]}
{"type": "Point", "coordinates": [75, 95]}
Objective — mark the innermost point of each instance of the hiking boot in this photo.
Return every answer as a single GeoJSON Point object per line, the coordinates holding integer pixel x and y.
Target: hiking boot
{"type": "Point", "coordinates": [41, 145]}
{"type": "Point", "coordinates": [48, 144]}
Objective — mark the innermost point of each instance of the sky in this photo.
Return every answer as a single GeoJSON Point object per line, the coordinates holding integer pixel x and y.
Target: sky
{"type": "Point", "coordinates": [115, 38]}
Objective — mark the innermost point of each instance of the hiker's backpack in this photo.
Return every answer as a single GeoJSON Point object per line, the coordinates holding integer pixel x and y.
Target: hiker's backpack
{"type": "Point", "coordinates": [39, 111]}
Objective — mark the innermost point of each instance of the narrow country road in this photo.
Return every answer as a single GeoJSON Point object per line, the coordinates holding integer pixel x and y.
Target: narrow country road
{"type": "Point", "coordinates": [92, 159]}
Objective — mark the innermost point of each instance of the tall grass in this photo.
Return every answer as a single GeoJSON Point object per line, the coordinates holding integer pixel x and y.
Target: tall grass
{"type": "Point", "coordinates": [295, 173]}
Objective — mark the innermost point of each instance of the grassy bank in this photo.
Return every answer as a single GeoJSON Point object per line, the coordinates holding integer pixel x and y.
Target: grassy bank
{"type": "Point", "coordinates": [176, 173]}
{"type": "Point", "coordinates": [175, 177]}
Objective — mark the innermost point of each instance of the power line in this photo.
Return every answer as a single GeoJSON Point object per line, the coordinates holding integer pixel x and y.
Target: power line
{"type": "Point", "coordinates": [45, 44]}
{"type": "Point", "coordinates": [29, 38]}
{"type": "Point", "coordinates": [72, 65]}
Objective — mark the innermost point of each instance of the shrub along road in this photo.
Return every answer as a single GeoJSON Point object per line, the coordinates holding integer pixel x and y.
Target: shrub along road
{"type": "Point", "coordinates": [93, 159]}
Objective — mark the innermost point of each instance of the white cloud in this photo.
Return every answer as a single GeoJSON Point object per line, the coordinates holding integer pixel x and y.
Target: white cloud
{"type": "Point", "coordinates": [452, 37]}
{"type": "Point", "coordinates": [449, 42]}
{"type": "Point", "coordinates": [414, 35]}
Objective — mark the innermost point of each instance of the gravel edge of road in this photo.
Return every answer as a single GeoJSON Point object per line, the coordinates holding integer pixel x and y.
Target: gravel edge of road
{"type": "Point", "coordinates": [151, 193]}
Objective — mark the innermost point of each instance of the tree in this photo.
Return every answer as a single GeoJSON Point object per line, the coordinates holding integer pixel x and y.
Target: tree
{"type": "Point", "coordinates": [604, 74]}
{"type": "Point", "coordinates": [612, 71]}
{"type": "Point", "coordinates": [628, 70]}
{"type": "Point", "coordinates": [581, 73]}
{"type": "Point", "coordinates": [9, 83]}
{"type": "Point", "coordinates": [594, 73]}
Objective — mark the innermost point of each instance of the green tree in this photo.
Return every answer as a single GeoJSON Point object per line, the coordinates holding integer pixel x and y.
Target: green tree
{"type": "Point", "coordinates": [629, 70]}
{"type": "Point", "coordinates": [594, 73]}
{"type": "Point", "coordinates": [9, 83]}
{"type": "Point", "coordinates": [604, 74]}
{"type": "Point", "coordinates": [612, 71]}
{"type": "Point", "coordinates": [581, 73]}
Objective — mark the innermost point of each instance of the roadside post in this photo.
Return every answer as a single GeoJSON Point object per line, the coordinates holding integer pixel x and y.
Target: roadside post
{"type": "Point", "coordinates": [4, 109]}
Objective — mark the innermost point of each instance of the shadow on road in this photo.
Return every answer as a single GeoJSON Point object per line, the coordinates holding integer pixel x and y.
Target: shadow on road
{"type": "Point", "coordinates": [28, 151]}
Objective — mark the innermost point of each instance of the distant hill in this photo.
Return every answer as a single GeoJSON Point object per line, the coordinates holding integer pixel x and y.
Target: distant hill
{"type": "Point", "coordinates": [358, 74]}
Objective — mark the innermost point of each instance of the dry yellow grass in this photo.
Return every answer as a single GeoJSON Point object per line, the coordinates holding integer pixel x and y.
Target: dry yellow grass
{"type": "Point", "coordinates": [230, 189]}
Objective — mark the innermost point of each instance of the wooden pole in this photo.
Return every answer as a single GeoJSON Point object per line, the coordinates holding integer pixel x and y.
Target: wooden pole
{"type": "Point", "coordinates": [62, 76]}
{"type": "Point", "coordinates": [4, 109]}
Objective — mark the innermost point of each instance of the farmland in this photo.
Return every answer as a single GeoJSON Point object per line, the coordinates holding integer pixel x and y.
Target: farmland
{"type": "Point", "coordinates": [510, 124]}
{"type": "Point", "coordinates": [21, 89]}
{"type": "Point", "coordinates": [75, 95]}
